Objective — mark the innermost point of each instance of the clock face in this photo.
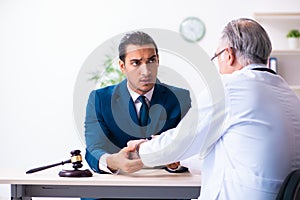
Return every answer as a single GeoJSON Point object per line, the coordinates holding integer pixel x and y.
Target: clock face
{"type": "Point", "coordinates": [192, 29]}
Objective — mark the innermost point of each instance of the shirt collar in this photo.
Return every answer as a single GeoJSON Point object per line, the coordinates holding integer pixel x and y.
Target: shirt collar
{"type": "Point", "coordinates": [251, 66]}
{"type": "Point", "coordinates": [135, 95]}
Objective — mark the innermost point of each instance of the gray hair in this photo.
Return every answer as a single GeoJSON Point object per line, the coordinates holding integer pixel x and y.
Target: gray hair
{"type": "Point", "coordinates": [249, 41]}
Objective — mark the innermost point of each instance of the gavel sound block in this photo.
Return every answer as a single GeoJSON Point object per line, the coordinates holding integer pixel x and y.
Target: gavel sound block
{"type": "Point", "coordinates": [76, 160]}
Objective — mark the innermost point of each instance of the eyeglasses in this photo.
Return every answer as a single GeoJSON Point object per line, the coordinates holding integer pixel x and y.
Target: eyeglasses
{"type": "Point", "coordinates": [217, 54]}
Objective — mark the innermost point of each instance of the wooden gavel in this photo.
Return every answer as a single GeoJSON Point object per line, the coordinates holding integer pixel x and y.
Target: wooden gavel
{"type": "Point", "coordinates": [76, 160]}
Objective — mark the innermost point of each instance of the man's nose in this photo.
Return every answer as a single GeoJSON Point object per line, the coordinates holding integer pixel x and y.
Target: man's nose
{"type": "Point", "coordinates": [145, 69]}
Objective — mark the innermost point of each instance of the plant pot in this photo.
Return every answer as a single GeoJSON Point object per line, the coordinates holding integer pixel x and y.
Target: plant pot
{"type": "Point", "coordinates": [293, 43]}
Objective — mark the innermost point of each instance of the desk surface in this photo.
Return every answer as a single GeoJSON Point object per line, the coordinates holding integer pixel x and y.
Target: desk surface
{"type": "Point", "coordinates": [145, 177]}
{"type": "Point", "coordinates": [145, 183]}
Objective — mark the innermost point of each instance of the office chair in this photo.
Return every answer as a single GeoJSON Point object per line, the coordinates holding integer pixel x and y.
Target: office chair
{"type": "Point", "coordinates": [290, 188]}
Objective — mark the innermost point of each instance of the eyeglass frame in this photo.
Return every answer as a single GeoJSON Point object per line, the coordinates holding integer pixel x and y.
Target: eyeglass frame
{"type": "Point", "coordinates": [220, 52]}
{"type": "Point", "coordinates": [217, 54]}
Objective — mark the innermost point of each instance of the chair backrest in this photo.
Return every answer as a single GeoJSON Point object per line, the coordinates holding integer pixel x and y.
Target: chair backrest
{"type": "Point", "coordinates": [290, 189]}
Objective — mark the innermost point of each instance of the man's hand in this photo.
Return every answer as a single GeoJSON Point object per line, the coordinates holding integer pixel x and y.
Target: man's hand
{"type": "Point", "coordinates": [173, 166]}
{"type": "Point", "coordinates": [133, 143]}
{"type": "Point", "coordinates": [176, 168]}
{"type": "Point", "coordinates": [122, 161]}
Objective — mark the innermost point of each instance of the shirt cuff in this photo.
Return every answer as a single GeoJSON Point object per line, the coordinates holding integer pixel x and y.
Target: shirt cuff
{"type": "Point", "coordinates": [194, 164]}
{"type": "Point", "coordinates": [103, 165]}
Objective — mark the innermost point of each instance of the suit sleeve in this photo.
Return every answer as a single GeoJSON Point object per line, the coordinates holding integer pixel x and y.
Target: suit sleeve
{"type": "Point", "coordinates": [95, 137]}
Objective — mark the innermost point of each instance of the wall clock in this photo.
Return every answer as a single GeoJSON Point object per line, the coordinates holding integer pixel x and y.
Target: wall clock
{"type": "Point", "coordinates": [192, 29]}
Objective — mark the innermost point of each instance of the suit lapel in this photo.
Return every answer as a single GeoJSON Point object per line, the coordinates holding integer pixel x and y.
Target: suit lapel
{"type": "Point", "coordinates": [157, 114]}
{"type": "Point", "coordinates": [125, 113]}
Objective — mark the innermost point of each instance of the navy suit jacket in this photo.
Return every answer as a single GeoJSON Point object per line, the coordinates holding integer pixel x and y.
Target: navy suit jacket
{"type": "Point", "coordinates": [111, 118]}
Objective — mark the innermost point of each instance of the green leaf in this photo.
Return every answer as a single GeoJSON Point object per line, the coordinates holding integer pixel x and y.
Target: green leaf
{"type": "Point", "coordinates": [293, 33]}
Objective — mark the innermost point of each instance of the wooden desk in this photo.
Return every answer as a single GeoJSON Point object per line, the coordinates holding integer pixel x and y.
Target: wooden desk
{"type": "Point", "coordinates": [147, 183]}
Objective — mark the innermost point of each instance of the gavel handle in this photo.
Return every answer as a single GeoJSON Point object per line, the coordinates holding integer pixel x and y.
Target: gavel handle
{"type": "Point", "coordinates": [48, 166]}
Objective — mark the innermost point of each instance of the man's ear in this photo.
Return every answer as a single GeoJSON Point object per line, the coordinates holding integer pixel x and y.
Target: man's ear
{"type": "Point", "coordinates": [231, 57]}
{"type": "Point", "coordinates": [122, 66]}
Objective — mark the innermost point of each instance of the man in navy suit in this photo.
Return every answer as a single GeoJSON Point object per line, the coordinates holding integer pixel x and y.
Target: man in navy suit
{"type": "Point", "coordinates": [113, 113]}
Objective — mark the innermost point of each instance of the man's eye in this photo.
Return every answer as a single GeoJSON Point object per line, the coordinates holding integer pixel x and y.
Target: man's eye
{"type": "Point", "coordinates": [152, 60]}
{"type": "Point", "coordinates": [135, 63]}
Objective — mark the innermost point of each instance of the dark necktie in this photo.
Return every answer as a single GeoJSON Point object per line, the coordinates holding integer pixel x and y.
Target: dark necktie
{"type": "Point", "coordinates": [143, 111]}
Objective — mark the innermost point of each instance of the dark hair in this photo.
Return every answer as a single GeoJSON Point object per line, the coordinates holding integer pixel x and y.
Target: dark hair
{"type": "Point", "coordinates": [135, 38]}
{"type": "Point", "coordinates": [249, 40]}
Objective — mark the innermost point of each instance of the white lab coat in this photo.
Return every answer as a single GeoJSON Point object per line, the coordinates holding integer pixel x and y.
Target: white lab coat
{"type": "Point", "coordinates": [247, 147]}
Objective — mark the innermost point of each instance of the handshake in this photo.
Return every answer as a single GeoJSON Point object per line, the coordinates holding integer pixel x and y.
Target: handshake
{"type": "Point", "coordinates": [128, 160]}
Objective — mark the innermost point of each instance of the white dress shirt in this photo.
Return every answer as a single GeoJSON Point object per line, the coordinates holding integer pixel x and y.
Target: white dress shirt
{"type": "Point", "coordinates": [246, 149]}
{"type": "Point", "coordinates": [138, 104]}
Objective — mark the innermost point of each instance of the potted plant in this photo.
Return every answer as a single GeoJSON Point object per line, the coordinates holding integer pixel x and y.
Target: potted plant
{"type": "Point", "coordinates": [293, 38]}
{"type": "Point", "coordinates": [109, 76]}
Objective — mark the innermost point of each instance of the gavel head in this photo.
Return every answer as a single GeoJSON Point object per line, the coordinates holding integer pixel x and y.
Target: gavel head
{"type": "Point", "coordinates": [76, 159]}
